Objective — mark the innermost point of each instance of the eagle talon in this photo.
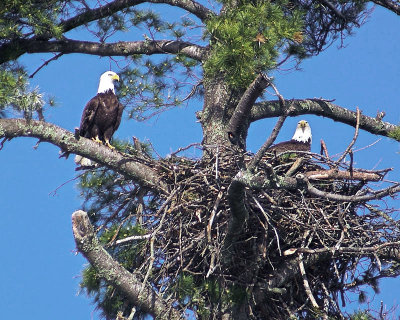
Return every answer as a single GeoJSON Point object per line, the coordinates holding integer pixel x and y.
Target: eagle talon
{"type": "Point", "coordinates": [109, 145]}
{"type": "Point", "coordinates": [96, 139]}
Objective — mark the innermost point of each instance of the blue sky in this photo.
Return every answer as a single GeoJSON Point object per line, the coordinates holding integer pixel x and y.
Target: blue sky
{"type": "Point", "coordinates": [40, 270]}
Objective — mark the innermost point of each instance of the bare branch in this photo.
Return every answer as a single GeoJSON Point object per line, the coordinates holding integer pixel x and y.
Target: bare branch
{"type": "Point", "coordinates": [129, 167]}
{"type": "Point", "coordinates": [104, 11]}
{"type": "Point", "coordinates": [333, 9]}
{"type": "Point", "coordinates": [56, 56]}
{"type": "Point", "coordinates": [341, 175]}
{"type": "Point", "coordinates": [389, 4]}
{"type": "Point", "coordinates": [375, 194]}
{"type": "Point", "coordinates": [15, 48]}
{"type": "Point", "coordinates": [115, 274]}
{"type": "Point", "coordinates": [260, 153]}
{"type": "Point", "coordinates": [240, 116]}
{"type": "Point", "coordinates": [117, 48]}
{"type": "Point", "coordinates": [239, 214]}
{"type": "Point", "coordinates": [378, 249]}
{"type": "Point", "coordinates": [305, 282]}
{"type": "Point", "coordinates": [323, 108]}
{"type": "Point", "coordinates": [354, 137]}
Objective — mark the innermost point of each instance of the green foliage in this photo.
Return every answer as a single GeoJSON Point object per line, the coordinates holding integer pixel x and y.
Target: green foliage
{"type": "Point", "coordinates": [199, 293]}
{"type": "Point", "coordinates": [19, 18]}
{"type": "Point", "coordinates": [248, 40]}
{"type": "Point", "coordinates": [151, 86]}
{"type": "Point", "coordinates": [16, 94]}
{"type": "Point", "coordinates": [361, 315]}
{"type": "Point", "coordinates": [107, 299]}
{"type": "Point", "coordinates": [395, 134]}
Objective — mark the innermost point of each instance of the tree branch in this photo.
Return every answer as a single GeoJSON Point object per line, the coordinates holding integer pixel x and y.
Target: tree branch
{"type": "Point", "coordinates": [239, 215]}
{"type": "Point", "coordinates": [107, 10]}
{"type": "Point", "coordinates": [388, 4]}
{"type": "Point", "coordinates": [260, 153]}
{"type": "Point", "coordinates": [241, 114]}
{"type": "Point", "coordinates": [348, 149]}
{"type": "Point", "coordinates": [375, 194]}
{"type": "Point", "coordinates": [343, 175]}
{"type": "Point", "coordinates": [319, 107]}
{"type": "Point", "coordinates": [15, 48]}
{"type": "Point", "coordinates": [116, 275]}
{"type": "Point", "coordinates": [11, 128]}
{"type": "Point", "coordinates": [117, 48]}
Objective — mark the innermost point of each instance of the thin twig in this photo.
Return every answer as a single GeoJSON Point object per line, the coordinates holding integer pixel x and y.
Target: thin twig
{"type": "Point", "coordinates": [45, 64]}
{"type": "Point", "coordinates": [354, 137]}
{"type": "Point", "coordinates": [260, 153]}
{"type": "Point", "coordinates": [305, 282]}
{"type": "Point", "coordinates": [213, 212]}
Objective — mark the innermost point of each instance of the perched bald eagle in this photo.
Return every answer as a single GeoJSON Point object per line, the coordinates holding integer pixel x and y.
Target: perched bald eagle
{"type": "Point", "coordinates": [102, 114]}
{"type": "Point", "coordinates": [301, 140]}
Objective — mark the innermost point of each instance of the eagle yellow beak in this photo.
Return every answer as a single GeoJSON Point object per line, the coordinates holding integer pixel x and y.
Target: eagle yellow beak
{"type": "Point", "coordinates": [302, 123]}
{"type": "Point", "coordinates": [115, 77]}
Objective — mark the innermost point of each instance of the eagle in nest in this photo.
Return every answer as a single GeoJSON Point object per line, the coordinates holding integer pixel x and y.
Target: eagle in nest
{"type": "Point", "coordinates": [301, 140]}
{"type": "Point", "coordinates": [102, 115]}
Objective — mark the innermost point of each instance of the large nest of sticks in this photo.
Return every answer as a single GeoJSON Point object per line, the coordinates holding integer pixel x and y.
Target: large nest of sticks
{"type": "Point", "coordinates": [324, 230]}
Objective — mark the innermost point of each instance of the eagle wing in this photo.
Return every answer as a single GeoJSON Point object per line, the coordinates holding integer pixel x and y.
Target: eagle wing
{"type": "Point", "coordinates": [88, 116]}
{"type": "Point", "coordinates": [119, 116]}
{"type": "Point", "coordinates": [291, 145]}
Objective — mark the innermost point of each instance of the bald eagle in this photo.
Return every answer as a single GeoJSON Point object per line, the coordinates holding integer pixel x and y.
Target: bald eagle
{"type": "Point", "coordinates": [101, 116]}
{"type": "Point", "coordinates": [301, 140]}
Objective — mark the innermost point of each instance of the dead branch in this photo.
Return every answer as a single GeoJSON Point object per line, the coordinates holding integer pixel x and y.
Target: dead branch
{"type": "Point", "coordinates": [354, 138]}
{"type": "Point", "coordinates": [343, 175]}
{"type": "Point", "coordinates": [109, 269]}
{"type": "Point", "coordinates": [242, 110]}
{"type": "Point", "coordinates": [324, 108]}
{"type": "Point", "coordinates": [375, 194]}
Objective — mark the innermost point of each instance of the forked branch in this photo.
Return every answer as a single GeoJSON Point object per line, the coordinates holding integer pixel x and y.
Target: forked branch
{"type": "Point", "coordinates": [129, 167]}
{"type": "Point", "coordinates": [138, 293]}
{"type": "Point", "coordinates": [324, 108]}
{"type": "Point", "coordinates": [242, 111]}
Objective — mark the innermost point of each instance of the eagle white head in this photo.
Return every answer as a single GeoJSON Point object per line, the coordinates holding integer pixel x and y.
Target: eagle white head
{"type": "Point", "coordinates": [303, 132]}
{"type": "Point", "coordinates": [107, 81]}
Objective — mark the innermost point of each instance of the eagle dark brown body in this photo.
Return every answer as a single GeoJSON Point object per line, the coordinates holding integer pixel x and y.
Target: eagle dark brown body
{"type": "Point", "coordinates": [101, 117]}
{"type": "Point", "coordinates": [291, 145]}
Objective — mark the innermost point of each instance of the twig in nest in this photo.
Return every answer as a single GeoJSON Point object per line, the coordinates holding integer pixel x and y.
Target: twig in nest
{"type": "Point", "coordinates": [351, 163]}
{"type": "Point", "coordinates": [305, 282]}
{"type": "Point", "coordinates": [185, 148]}
{"type": "Point", "coordinates": [267, 218]}
{"type": "Point", "coordinates": [339, 174]}
{"type": "Point", "coordinates": [153, 234]}
{"type": "Point", "coordinates": [324, 149]}
{"type": "Point", "coordinates": [151, 261]}
{"type": "Point", "coordinates": [213, 212]}
{"type": "Point", "coordinates": [212, 265]}
{"type": "Point", "coordinates": [216, 164]}
{"type": "Point", "coordinates": [295, 166]}
{"type": "Point", "coordinates": [354, 138]}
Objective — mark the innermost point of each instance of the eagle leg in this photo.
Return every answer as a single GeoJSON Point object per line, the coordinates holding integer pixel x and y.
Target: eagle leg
{"type": "Point", "coordinates": [96, 139]}
{"type": "Point", "coordinates": [109, 145]}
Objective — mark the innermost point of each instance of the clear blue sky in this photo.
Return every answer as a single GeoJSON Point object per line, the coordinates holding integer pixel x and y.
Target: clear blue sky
{"type": "Point", "coordinates": [40, 271]}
